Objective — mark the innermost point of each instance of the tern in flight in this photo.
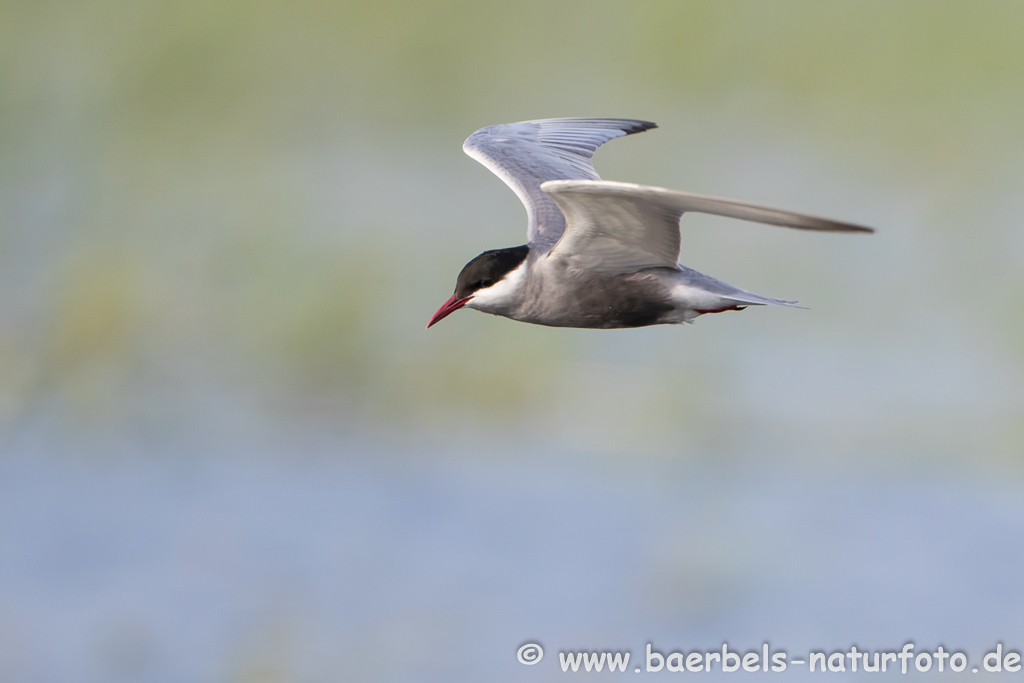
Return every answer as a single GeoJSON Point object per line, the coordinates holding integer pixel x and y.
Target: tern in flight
{"type": "Point", "coordinates": [598, 253]}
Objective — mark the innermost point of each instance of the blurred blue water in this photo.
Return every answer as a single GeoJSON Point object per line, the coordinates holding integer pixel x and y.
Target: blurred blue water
{"type": "Point", "coordinates": [435, 566]}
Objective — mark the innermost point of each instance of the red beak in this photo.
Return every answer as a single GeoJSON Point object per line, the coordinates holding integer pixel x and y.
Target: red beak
{"type": "Point", "coordinates": [447, 308]}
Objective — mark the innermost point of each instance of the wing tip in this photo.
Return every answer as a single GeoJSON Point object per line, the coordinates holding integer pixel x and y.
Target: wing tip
{"type": "Point", "coordinates": [839, 226]}
{"type": "Point", "coordinates": [631, 126]}
{"type": "Point", "coordinates": [627, 126]}
{"type": "Point", "coordinates": [862, 229]}
{"type": "Point", "coordinates": [641, 126]}
{"type": "Point", "coordinates": [622, 126]}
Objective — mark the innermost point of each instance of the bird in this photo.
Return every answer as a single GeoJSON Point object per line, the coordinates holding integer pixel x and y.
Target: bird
{"type": "Point", "coordinates": [599, 253]}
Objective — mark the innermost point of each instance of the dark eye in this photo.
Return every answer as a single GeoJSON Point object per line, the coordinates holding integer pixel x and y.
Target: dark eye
{"type": "Point", "coordinates": [484, 284]}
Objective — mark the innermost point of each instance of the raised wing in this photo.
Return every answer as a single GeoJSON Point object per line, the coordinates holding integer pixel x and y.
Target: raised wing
{"type": "Point", "coordinates": [528, 153]}
{"type": "Point", "coordinates": [619, 227]}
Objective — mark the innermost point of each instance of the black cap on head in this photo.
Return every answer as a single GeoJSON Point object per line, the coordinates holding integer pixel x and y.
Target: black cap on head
{"type": "Point", "coordinates": [488, 268]}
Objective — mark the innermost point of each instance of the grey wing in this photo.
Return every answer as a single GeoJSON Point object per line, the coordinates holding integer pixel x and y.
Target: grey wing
{"type": "Point", "coordinates": [528, 153]}
{"type": "Point", "coordinates": [619, 227]}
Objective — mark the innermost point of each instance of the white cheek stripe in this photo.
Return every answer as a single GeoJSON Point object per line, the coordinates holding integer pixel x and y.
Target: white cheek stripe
{"type": "Point", "coordinates": [502, 292]}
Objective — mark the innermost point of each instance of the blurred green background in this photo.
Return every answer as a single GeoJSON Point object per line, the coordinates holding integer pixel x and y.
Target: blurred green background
{"type": "Point", "coordinates": [268, 198]}
{"type": "Point", "coordinates": [224, 225]}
